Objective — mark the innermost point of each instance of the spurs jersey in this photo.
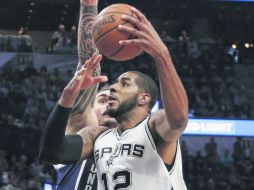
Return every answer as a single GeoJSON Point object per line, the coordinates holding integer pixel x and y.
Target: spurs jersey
{"type": "Point", "coordinates": [175, 173]}
{"type": "Point", "coordinates": [129, 161]}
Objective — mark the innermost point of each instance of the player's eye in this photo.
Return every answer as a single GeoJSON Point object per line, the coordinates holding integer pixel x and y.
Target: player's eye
{"type": "Point", "coordinates": [103, 101]}
{"type": "Point", "coordinates": [124, 84]}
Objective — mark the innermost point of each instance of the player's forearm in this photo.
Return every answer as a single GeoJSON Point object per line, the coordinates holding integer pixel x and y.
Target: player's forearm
{"type": "Point", "coordinates": [67, 98]}
{"type": "Point", "coordinates": [173, 94]}
{"type": "Point", "coordinates": [77, 122]}
{"type": "Point", "coordinates": [86, 47]}
{"type": "Point", "coordinates": [88, 12]}
{"type": "Point", "coordinates": [55, 147]}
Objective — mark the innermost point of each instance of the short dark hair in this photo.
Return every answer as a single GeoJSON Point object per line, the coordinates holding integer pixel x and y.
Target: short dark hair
{"type": "Point", "coordinates": [104, 87]}
{"type": "Point", "coordinates": [147, 84]}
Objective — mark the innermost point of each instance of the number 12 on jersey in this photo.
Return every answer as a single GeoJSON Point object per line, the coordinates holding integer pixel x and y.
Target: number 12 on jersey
{"type": "Point", "coordinates": [121, 179]}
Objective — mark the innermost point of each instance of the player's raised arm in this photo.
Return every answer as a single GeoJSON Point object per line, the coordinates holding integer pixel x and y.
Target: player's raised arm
{"type": "Point", "coordinates": [87, 16]}
{"type": "Point", "coordinates": [86, 48]}
{"type": "Point", "coordinates": [169, 124]}
{"type": "Point", "coordinates": [55, 147]}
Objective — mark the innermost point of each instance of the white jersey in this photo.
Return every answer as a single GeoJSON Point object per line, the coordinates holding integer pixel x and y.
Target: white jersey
{"type": "Point", "coordinates": [129, 161]}
{"type": "Point", "coordinates": [176, 174]}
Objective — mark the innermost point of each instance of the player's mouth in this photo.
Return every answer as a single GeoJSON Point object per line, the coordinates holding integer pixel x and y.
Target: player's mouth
{"type": "Point", "coordinates": [111, 99]}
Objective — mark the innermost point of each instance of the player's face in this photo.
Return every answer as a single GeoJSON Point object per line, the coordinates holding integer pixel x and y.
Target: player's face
{"type": "Point", "coordinates": [100, 106]}
{"type": "Point", "coordinates": [123, 95]}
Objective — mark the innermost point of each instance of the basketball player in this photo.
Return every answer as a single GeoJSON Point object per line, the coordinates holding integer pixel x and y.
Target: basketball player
{"type": "Point", "coordinates": [131, 156]}
{"type": "Point", "coordinates": [82, 175]}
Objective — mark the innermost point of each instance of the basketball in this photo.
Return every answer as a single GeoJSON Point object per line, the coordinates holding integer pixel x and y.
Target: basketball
{"type": "Point", "coordinates": [106, 34]}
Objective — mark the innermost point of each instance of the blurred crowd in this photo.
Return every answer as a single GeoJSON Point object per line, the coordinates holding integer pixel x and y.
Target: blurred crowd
{"type": "Point", "coordinates": [20, 42]}
{"type": "Point", "coordinates": [232, 170]}
{"type": "Point", "coordinates": [27, 96]}
{"type": "Point", "coordinates": [18, 173]}
{"type": "Point", "coordinates": [63, 42]}
{"type": "Point", "coordinates": [214, 91]}
{"type": "Point", "coordinates": [211, 82]}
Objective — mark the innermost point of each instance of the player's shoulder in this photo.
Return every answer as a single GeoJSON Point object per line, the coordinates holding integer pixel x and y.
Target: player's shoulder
{"type": "Point", "coordinates": [104, 134]}
{"type": "Point", "coordinates": [93, 131]}
{"type": "Point", "coordinates": [157, 116]}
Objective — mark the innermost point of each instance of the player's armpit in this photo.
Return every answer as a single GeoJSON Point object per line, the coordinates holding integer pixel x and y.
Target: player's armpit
{"type": "Point", "coordinates": [165, 136]}
{"type": "Point", "coordinates": [89, 134]}
{"type": "Point", "coordinates": [167, 151]}
{"type": "Point", "coordinates": [160, 127]}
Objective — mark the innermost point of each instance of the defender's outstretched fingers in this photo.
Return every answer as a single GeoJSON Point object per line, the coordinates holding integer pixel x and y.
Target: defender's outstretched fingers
{"type": "Point", "coordinates": [92, 63]}
{"type": "Point", "coordinates": [100, 79]}
{"type": "Point", "coordinates": [95, 61]}
{"type": "Point", "coordinates": [90, 60]}
{"type": "Point", "coordinates": [79, 73]}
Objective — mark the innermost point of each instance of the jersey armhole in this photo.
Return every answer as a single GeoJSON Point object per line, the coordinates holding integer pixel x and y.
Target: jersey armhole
{"type": "Point", "coordinates": [149, 133]}
{"type": "Point", "coordinates": [171, 167]}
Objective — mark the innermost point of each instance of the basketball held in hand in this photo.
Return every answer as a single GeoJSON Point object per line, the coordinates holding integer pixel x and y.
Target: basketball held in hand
{"type": "Point", "coordinates": [106, 34]}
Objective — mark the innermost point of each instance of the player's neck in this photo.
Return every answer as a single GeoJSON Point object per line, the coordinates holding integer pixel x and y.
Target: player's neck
{"type": "Point", "coordinates": [130, 119]}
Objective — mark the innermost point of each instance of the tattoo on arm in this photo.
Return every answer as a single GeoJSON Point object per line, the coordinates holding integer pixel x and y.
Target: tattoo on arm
{"type": "Point", "coordinates": [86, 48]}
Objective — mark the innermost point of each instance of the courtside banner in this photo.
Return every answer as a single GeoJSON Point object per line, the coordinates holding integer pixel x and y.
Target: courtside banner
{"type": "Point", "coordinates": [220, 127]}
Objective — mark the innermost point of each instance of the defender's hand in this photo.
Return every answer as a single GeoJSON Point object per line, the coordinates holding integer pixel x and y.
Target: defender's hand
{"type": "Point", "coordinates": [146, 36]}
{"type": "Point", "coordinates": [83, 78]}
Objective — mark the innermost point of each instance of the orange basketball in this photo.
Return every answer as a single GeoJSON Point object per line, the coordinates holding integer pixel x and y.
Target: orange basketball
{"type": "Point", "coordinates": [106, 34]}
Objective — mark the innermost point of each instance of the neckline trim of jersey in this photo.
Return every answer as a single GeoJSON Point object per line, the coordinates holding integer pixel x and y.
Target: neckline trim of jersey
{"type": "Point", "coordinates": [119, 137]}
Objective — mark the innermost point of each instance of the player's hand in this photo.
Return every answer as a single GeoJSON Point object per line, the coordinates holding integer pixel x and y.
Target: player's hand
{"type": "Point", "coordinates": [146, 36]}
{"type": "Point", "coordinates": [83, 78]}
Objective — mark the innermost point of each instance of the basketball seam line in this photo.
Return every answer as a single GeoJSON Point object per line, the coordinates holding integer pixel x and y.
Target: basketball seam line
{"type": "Point", "coordinates": [114, 12]}
{"type": "Point", "coordinates": [127, 8]}
{"type": "Point", "coordinates": [130, 36]}
{"type": "Point", "coordinates": [123, 45]}
{"type": "Point", "coordinates": [120, 47]}
{"type": "Point", "coordinates": [114, 27]}
{"type": "Point", "coordinates": [108, 32]}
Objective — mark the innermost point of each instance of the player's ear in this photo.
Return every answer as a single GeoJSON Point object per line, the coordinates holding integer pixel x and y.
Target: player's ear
{"type": "Point", "coordinates": [144, 99]}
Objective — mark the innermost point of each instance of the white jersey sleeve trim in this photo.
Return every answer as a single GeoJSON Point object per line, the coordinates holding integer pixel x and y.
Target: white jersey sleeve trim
{"type": "Point", "coordinates": [148, 132]}
{"type": "Point", "coordinates": [175, 159]}
{"type": "Point", "coordinates": [102, 134]}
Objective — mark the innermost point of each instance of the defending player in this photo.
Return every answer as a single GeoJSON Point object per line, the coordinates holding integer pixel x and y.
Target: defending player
{"type": "Point", "coordinates": [82, 175]}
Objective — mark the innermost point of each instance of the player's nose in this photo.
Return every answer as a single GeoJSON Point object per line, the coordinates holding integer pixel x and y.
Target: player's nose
{"type": "Point", "coordinates": [112, 88]}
